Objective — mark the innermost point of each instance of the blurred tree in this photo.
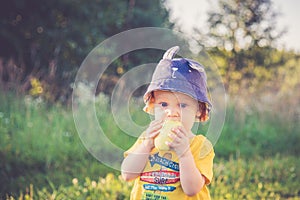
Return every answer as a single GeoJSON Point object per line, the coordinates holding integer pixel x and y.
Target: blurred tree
{"type": "Point", "coordinates": [48, 40]}
{"type": "Point", "coordinates": [242, 35]}
{"type": "Point", "coordinates": [238, 25]}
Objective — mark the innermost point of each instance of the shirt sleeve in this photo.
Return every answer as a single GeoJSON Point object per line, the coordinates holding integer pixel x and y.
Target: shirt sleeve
{"type": "Point", "coordinates": [204, 155]}
{"type": "Point", "coordinates": [134, 146]}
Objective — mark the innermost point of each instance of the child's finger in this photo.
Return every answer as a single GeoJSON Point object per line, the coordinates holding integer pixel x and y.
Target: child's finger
{"type": "Point", "coordinates": [153, 130]}
{"type": "Point", "coordinates": [156, 122]}
{"type": "Point", "coordinates": [182, 130]}
{"type": "Point", "coordinates": [154, 134]}
{"type": "Point", "coordinates": [175, 138]}
{"type": "Point", "coordinates": [170, 144]}
{"type": "Point", "coordinates": [156, 127]}
{"type": "Point", "coordinates": [177, 133]}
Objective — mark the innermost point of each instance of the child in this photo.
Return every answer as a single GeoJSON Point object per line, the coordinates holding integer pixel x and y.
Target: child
{"type": "Point", "coordinates": [178, 90]}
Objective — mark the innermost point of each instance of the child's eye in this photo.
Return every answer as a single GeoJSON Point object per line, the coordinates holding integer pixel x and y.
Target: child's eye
{"type": "Point", "coordinates": [164, 104]}
{"type": "Point", "coordinates": [182, 105]}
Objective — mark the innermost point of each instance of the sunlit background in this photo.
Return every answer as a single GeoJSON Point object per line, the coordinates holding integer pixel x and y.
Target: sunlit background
{"type": "Point", "coordinates": [191, 14]}
{"type": "Point", "coordinates": [43, 44]}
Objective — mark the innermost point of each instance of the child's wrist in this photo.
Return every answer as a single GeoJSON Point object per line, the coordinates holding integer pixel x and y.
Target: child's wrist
{"type": "Point", "coordinates": [186, 154]}
{"type": "Point", "coordinates": [147, 146]}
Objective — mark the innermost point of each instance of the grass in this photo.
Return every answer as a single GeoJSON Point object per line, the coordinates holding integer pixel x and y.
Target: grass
{"type": "Point", "coordinates": [39, 144]}
{"type": "Point", "coordinates": [257, 178]}
{"type": "Point", "coordinates": [256, 155]}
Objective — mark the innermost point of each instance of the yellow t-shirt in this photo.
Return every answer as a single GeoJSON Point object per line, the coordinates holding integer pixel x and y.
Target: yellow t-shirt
{"type": "Point", "coordinates": [160, 178]}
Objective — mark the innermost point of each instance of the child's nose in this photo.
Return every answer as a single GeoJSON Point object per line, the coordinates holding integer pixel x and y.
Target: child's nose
{"type": "Point", "coordinates": [172, 112]}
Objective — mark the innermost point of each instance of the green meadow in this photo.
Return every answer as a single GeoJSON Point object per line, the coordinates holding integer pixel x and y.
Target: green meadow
{"type": "Point", "coordinates": [42, 156]}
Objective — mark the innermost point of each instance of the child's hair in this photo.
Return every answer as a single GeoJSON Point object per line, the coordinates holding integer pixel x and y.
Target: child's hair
{"type": "Point", "coordinates": [204, 112]}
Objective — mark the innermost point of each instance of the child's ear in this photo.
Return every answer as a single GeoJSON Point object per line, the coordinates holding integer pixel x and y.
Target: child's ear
{"type": "Point", "coordinates": [198, 113]}
{"type": "Point", "coordinates": [150, 105]}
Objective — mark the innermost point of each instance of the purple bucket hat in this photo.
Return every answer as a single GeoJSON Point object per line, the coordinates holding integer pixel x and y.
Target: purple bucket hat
{"type": "Point", "coordinates": [178, 75]}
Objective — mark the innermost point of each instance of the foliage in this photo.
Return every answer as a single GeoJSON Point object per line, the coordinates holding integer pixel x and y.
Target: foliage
{"type": "Point", "coordinates": [242, 38]}
{"type": "Point", "coordinates": [45, 41]}
{"type": "Point", "coordinates": [256, 178]}
{"type": "Point", "coordinates": [274, 178]}
{"type": "Point", "coordinates": [258, 69]}
{"type": "Point", "coordinates": [110, 187]}
{"type": "Point", "coordinates": [48, 40]}
{"type": "Point", "coordinates": [236, 25]}
{"type": "Point", "coordinates": [39, 143]}
{"type": "Point", "coordinates": [253, 133]}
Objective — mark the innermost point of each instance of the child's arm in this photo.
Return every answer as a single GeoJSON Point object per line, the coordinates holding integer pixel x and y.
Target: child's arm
{"type": "Point", "coordinates": [135, 162]}
{"type": "Point", "coordinates": [192, 181]}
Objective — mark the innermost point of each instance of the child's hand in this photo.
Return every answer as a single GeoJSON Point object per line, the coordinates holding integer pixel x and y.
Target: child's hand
{"type": "Point", "coordinates": [180, 141]}
{"type": "Point", "coordinates": [151, 132]}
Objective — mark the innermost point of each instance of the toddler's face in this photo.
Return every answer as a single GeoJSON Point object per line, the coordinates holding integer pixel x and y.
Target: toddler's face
{"type": "Point", "coordinates": [176, 106]}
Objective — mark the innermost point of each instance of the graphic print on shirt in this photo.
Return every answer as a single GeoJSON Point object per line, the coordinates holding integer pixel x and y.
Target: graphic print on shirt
{"type": "Point", "coordinates": [163, 173]}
